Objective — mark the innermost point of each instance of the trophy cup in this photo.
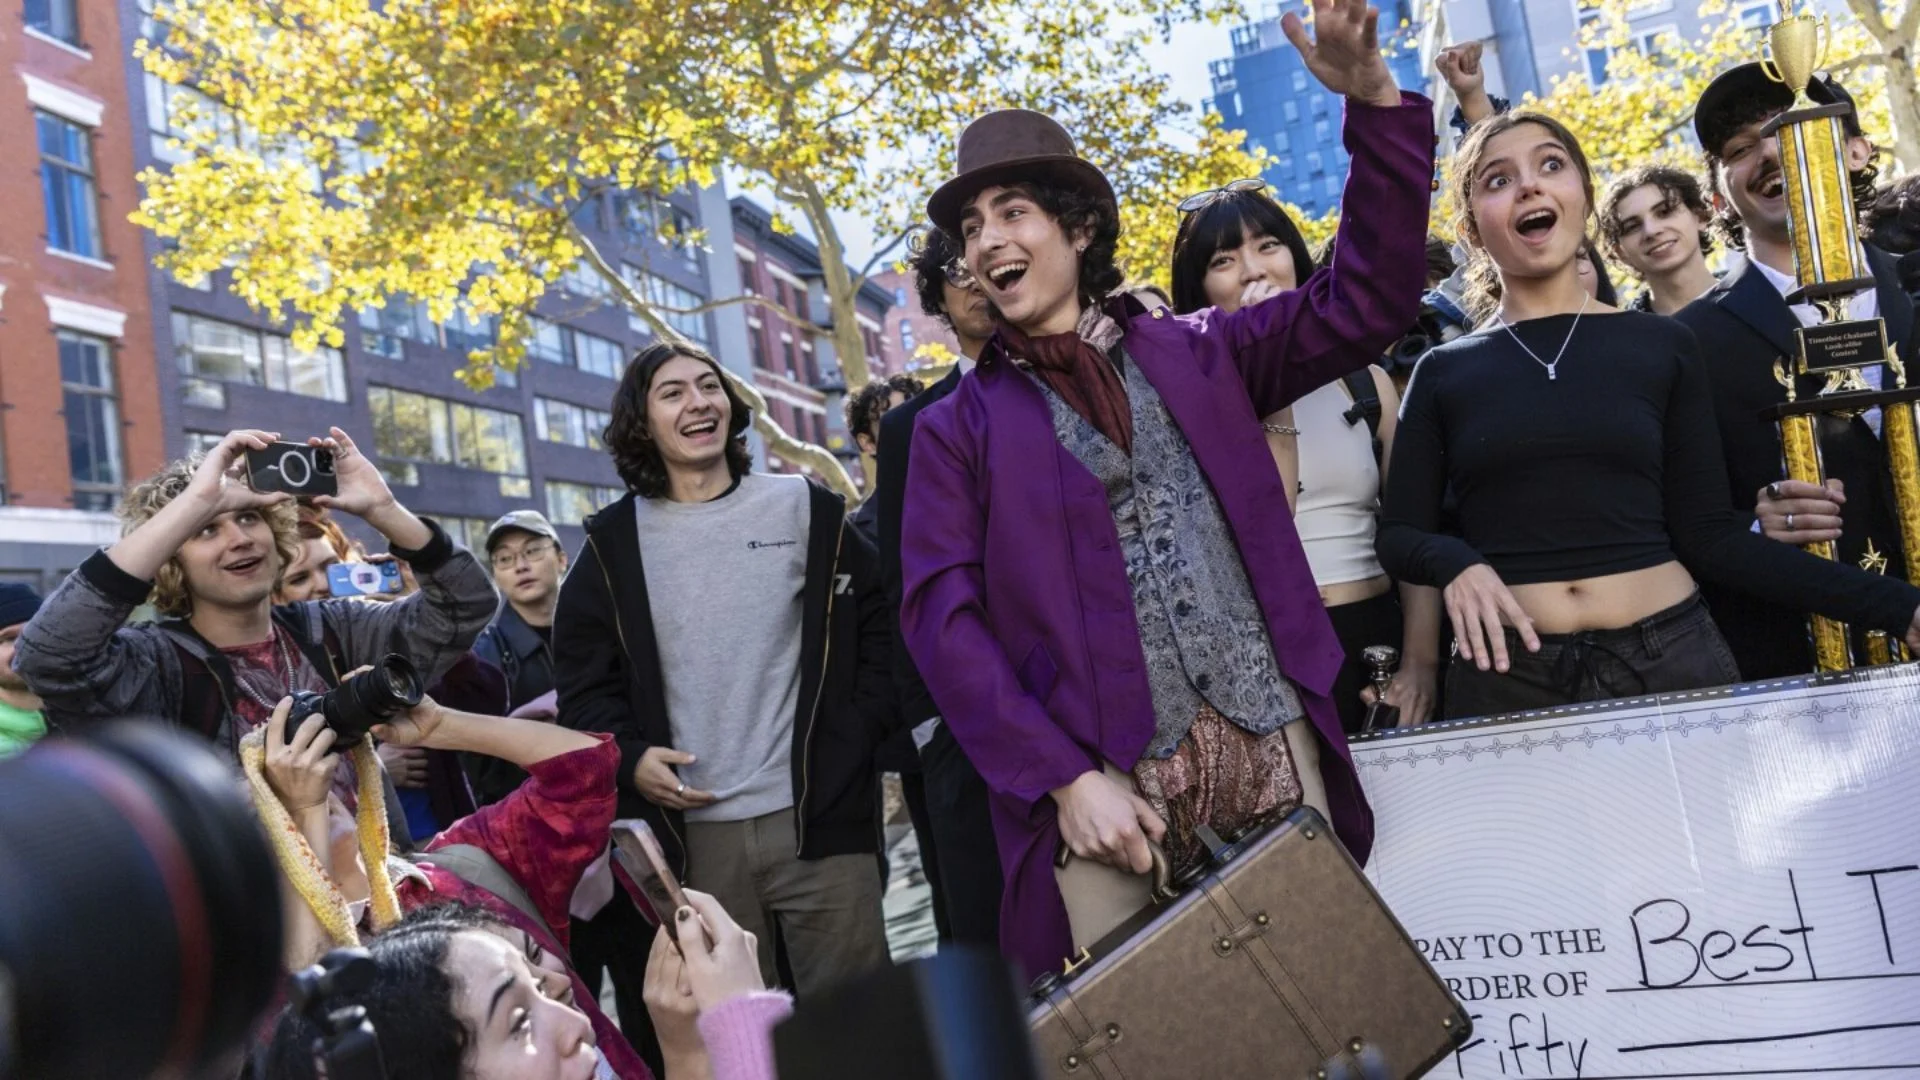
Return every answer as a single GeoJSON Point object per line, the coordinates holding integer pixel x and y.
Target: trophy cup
{"type": "Point", "coordinates": [1382, 662]}
{"type": "Point", "coordinates": [1830, 268]}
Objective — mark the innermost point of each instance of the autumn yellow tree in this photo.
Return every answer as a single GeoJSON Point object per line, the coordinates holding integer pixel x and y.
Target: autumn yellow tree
{"type": "Point", "coordinates": [1644, 109]}
{"type": "Point", "coordinates": [438, 150]}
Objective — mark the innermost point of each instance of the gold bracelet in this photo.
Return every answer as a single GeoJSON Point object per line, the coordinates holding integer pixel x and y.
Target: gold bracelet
{"type": "Point", "coordinates": [1279, 429]}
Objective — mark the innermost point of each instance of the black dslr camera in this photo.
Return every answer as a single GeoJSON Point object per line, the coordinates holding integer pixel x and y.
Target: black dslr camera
{"type": "Point", "coordinates": [372, 697]}
{"type": "Point", "coordinates": [294, 468]}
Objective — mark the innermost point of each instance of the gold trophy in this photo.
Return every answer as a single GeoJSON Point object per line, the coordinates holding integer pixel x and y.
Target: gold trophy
{"type": "Point", "coordinates": [1830, 268]}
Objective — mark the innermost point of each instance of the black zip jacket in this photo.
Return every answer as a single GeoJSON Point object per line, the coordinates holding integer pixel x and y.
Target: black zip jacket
{"type": "Point", "coordinates": [607, 672]}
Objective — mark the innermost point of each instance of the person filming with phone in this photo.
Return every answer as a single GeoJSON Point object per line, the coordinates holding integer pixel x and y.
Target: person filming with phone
{"type": "Point", "coordinates": [205, 541]}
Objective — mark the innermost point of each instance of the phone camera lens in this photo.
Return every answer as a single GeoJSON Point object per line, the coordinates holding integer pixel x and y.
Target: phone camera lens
{"type": "Point", "coordinates": [323, 461]}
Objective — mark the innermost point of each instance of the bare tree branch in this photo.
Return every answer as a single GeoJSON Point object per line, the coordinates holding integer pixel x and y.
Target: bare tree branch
{"type": "Point", "coordinates": [867, 270]}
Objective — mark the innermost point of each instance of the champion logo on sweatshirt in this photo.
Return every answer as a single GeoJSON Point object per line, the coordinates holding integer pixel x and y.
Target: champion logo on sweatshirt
{"type": "Point", "coordinates": [762, 545]}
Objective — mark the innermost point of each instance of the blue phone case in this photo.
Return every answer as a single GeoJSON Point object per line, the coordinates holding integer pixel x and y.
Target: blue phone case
{"type": "Point", "coordinates": [363, 579]}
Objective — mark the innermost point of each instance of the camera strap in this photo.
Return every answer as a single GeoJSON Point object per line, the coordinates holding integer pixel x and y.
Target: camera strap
{"type": "Point", "coordinates": [475, 866]}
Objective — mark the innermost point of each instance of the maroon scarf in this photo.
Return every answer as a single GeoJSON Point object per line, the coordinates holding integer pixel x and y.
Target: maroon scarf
{"type": "Point", "coordinates": [1078, 370]}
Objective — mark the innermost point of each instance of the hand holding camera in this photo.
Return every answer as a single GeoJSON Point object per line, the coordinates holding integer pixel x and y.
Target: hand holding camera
{"type": "Point", "coordinates": [301, 763]}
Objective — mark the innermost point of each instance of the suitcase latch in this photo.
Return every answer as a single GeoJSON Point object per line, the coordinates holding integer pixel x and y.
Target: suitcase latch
{"type": "Point", "coordinates": [1099, 1044]}
{"type": "Point", "coordinates": [1234, 938]}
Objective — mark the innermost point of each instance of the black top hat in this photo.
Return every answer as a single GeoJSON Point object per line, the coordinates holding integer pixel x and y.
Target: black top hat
{"type": "Point", "coordinates": [1009, 146]}
{"type": "Point", "coordinates": [1743, 93]}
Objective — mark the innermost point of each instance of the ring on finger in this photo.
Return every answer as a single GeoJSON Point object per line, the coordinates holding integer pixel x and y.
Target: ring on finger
{"type": "Point", "coordinates": [1773, 490]}
{"type": "Point", "coordinates": [1789, 522]}
{"type": "Point", "coordinates": [680, 789]}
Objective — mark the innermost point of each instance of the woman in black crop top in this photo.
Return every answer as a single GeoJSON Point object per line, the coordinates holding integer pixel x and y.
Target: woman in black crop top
{"type": "Point", "coordinates": [1581, 446]}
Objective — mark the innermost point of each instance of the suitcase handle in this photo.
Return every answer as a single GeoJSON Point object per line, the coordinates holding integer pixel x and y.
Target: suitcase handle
{"type": "Point", "coordinates": [1162, 871]}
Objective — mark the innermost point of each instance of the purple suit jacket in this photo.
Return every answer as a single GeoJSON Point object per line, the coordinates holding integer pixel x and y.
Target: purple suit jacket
{"type": "Point", "coordinates": [1017, 607]}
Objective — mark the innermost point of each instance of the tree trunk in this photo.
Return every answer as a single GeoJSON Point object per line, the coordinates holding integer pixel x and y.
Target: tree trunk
{"type": "Point", "coordinates": [779, 443]}
{"type": "Point", "coordinates": [1903, 93]}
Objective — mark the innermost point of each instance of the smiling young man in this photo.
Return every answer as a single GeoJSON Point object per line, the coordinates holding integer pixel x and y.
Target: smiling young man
{"type": "Point", "coordinates": [1103, 586]}
{"type": "Point", "coordinates": [206, 550]}
{"type": "Point", "coordinates": [1656, 220]}
{"type": "Point", "coordinates": [725, 627]}
{"type": "Point", "coordinates": [1745, 327]}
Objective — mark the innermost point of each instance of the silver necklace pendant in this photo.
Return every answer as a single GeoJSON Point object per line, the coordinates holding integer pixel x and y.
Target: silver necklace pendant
{"type": "Point", "coordinates": [1553, 369]}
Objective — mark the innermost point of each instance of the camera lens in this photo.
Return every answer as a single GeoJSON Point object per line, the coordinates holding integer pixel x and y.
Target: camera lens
{"type": "Point", "coordinates": [295, 469]}
{"type": "Point", "coordinates": [323, 461]}
{"type": "Point", "coordinates": [133, 857]}
{"type": "Point", "coordinates": [372, 697]}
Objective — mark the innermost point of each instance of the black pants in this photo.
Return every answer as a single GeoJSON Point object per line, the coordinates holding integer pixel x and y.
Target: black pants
{"type": "Point", "coordinates": [1676, 649]}
{"type": "Point", "coordinates": [963, 841]}
{"type": "Point", "coordinates": [617, 942]}
{"type": "Point", "coordinates": [1362, 623]}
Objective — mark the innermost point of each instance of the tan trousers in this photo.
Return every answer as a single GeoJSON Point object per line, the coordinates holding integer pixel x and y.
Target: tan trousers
{"type": "Point", "coordinates": [1101, 897]}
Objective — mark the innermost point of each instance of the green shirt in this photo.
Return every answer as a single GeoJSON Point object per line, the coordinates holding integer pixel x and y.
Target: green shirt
{"type": "Point", "coordinates": [19, 729]}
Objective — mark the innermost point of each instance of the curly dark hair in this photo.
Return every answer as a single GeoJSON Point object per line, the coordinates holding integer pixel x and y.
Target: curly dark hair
{"type": "Point", "coordinates": [1077, 211]}
{"type": "Point", "coordinates": [635, 456]}
{"type": "Point", "coordinates": [1676, 186]}
{"type": "Point", "coordinates": [929, 262]}
{"type": "Point", "coordinates": [868, 404]}
{"type": "Point", "coordinates": [1892, 220]}
{"type": "Point", "coordinates": [1727, 221]}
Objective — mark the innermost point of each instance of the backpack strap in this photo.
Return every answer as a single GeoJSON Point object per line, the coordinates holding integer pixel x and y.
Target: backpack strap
{"type": "Point", "coordinates": [314, 636]}
{"type": "Point", "coordinates": [472, 864]}
{"type": "Point", "coordinates": [1366, 404]}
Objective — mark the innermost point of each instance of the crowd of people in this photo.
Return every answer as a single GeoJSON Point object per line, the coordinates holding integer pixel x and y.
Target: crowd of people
{"type": "Point", "coordinates": [1114, 583]}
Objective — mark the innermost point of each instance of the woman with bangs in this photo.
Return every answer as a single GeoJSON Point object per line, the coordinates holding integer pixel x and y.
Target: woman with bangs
{"type": "Point", "coordinates": [1236, 247]}
{"type": "Point", "coordinates": [1580, 444]}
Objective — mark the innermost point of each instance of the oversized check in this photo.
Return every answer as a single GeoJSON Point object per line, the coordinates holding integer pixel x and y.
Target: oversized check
{"type": "Point", "coordinates": [1716, 884]}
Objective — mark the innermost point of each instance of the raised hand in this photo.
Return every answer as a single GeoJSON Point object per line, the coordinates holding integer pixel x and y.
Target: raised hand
{"type": "Point", "coordinates": [220, 485]}
{"type": "Point", "coordinates": [1460, 66]}
{"type": "Point", "coordinates": [363, 491]}
{"type": "Point", "coordinates": [1344, 50]}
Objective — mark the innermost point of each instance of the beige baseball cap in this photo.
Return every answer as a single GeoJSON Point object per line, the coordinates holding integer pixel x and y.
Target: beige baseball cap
{"type": "Point", "coordinates": [532, 521]}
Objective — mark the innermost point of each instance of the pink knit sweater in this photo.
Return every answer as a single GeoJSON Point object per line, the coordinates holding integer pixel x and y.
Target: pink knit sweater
{"type": "Point", "coordinates": [739, 1035]}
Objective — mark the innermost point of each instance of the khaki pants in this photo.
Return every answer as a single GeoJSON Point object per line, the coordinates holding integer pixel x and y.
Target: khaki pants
{"type": "Point", "coordinates": [1100, 897]}
{"type": "Point", "coordinates": [827, 910]}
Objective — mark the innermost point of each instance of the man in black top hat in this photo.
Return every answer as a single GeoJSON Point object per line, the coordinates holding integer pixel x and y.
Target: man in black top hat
{"type": "Point", "coordinates": [1745, 326]}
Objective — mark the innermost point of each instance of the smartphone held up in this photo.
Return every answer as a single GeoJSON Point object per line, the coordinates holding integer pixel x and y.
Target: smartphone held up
{"type": "Point", "coordinates": [295, 468]}
{"type": "Point", "coordinates": [640, 854]}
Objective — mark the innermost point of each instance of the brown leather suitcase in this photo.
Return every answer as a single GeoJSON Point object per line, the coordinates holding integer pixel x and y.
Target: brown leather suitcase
{"type": "Point", "coordinates": [1280, 960]}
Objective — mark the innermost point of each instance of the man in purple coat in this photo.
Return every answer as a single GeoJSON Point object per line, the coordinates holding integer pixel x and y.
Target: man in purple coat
{"type": "Point", "coordinates": [1103, 586]}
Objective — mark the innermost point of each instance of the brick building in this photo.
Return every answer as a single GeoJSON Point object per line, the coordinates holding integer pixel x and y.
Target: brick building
{"type": "Point", "coordinates": [80, 404]}
{"type": "Point", "coordinates": [796, 368]}
{"type": "Point", "coordinates": [907, 327]}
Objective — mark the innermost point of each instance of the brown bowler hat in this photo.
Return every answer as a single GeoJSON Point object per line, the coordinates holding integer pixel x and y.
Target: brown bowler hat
{"type": "Point", "coordinates": [1007, 146]}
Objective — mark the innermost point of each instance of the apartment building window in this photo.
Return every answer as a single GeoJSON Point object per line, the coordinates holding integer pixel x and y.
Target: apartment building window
{"type": "Point", "coordinates": [202, 442]}
{"type": "Point", "coordinates": [906, 338]}
{"type": "Point", "coordinates": [747, 279]}
{"type": "Point", "coordinates": [211, 352]}
{"type": "Point", "coordinates": [410, 428]}
{"type": "Point", "coordinates": [57, 19]}
{"type": "Point", "coordinates": [1314, 164]}
{"type": "Point", "coordinates": [384, 330]}
{"type": "Point", "coordinates": [1291, 110]}
{"type": "Point", "coordinates": [66, 180]}
{"type": "Point", "coordinates": [669, 298]}
{"type": "Point", "coordinates": [1299, 80]}
{"type": "Point", "coordinates": [1333, 187]}
{"type": "Point", "coordinates": [469, 532]}
{"type": "Point", "coordinates": [1322, 131]}
{"type": "Point", "coordinates": [757, 343]}
{"type": "Point", "coordinates": [569, 424]}
{"type": "Point", "coordinates": [1757, 16]}
{"type": "Point", "coordinates": [557, 344]}
{"type": "Point", "coordinates": [1281, 142]}
{"type": "Point", "coordinates": [581, 279]}
{"type": "Point", "coordinates": [93, 419]}
{"type": "Point", "coordinates": [1596, 58]}
{"type": "Point", "coordinates": [569, 503]}
{"type": "Point", "coordinates": [1284, 163]}
{"type": "Point", "coordinates": [790, 356]}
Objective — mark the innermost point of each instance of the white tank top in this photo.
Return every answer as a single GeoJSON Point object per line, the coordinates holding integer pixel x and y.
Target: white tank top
{"type": "Point", "coordinates": [1339, 488]}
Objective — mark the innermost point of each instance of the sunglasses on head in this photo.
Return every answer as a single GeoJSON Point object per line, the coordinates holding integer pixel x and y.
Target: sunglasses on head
{"type": "Point", "coordinates": [1200, 200]}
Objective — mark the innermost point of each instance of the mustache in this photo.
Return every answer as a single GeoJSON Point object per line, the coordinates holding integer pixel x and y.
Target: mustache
{"type": "Point", "coordinates": [1767, 174]}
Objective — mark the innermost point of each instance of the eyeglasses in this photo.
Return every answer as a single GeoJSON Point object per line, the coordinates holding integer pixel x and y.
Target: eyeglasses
{"type": "Point", "coordinates": [532, 553]}
{"type": "Point", "coordinates": [1200, 200]}
{"type": "Point", "coordinates": [958, 275]}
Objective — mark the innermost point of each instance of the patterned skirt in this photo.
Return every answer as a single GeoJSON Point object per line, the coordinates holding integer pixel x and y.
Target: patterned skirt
{"type": "Point", "coordinates": [1220, 776]}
